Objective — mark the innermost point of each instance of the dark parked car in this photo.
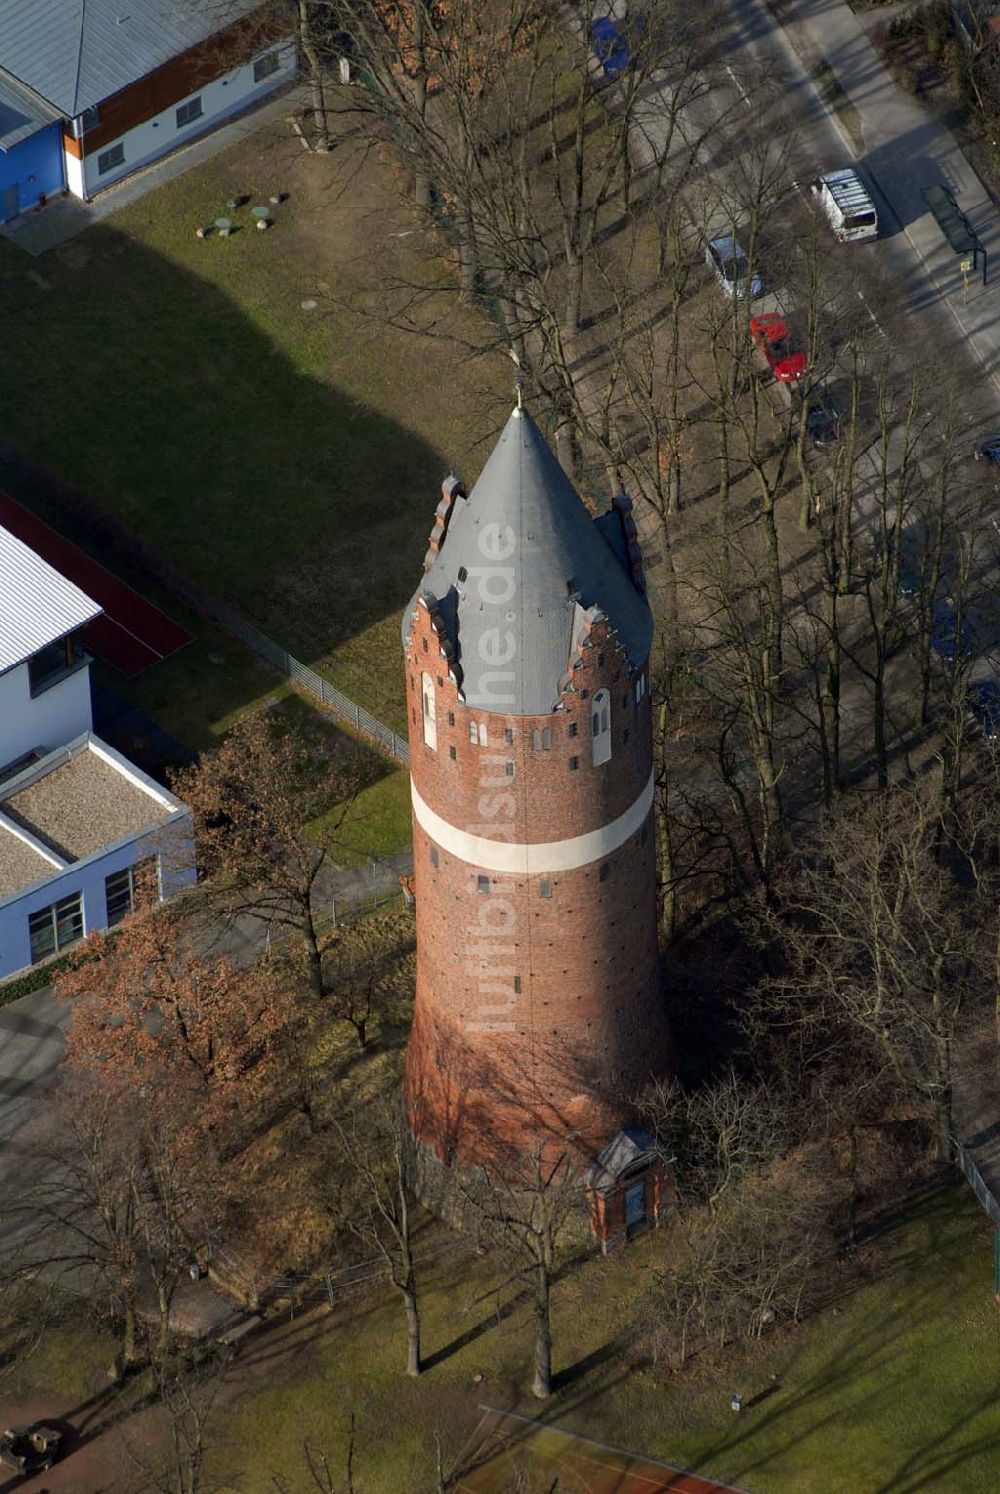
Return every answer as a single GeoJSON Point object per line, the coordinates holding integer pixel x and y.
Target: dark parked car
{"type": "Point", "coordinates": [29, 1450]}
{"type": "Point", "coordinates": [988, 450]}
{"type": "Point", "coordinates": [951, 643]}
{"type": "Point", "coordinates": [609, 46]}
{"type": "Point", "coordinates": [823, 423]}
{"type": "Point", "coordinates": [913, 544]}
{"type": "Point", "coordinates": [983, 701]}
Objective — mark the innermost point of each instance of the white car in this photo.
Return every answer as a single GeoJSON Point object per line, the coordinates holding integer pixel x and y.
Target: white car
{"type": "Point", "coordinates": [729, 264]}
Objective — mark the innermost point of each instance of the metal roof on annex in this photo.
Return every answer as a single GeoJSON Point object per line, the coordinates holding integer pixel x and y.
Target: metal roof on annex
{"type": "Point", "coordinates": [77, 53]}
{"type": "Point", "coordinates": [521, 562]}
{"type": "Point", "coordinates": [37, 604]}
{"type": "Point", "coordinates": [22, 112]}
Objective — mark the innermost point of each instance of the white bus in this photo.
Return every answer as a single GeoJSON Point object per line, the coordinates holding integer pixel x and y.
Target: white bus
{"type": "Point", "coordinates": [848, 205]}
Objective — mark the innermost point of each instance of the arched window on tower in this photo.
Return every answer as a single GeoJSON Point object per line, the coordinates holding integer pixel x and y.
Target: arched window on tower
{"type": "Point", "coordinates": [600, 728]}
{"type": "Point", "coordinates": [430, 712]}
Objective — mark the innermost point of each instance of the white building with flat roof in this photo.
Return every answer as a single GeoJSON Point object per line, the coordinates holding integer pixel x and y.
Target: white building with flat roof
{"type": "Point", "coordinates": [81, 828]}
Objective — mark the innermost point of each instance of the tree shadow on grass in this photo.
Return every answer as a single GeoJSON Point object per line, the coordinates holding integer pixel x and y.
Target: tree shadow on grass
{"type": "Point", "coordinates": [224, 463]}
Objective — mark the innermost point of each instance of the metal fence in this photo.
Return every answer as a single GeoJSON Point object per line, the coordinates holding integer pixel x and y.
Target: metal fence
{"type": "Point", "coordinates": [293, 669]}
{"type": "Point", "coordinates": [382, 885]}
{"type": "Point", "coordinates": [977, 1182]}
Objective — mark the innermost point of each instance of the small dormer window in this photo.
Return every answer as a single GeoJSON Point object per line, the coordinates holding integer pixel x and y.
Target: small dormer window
{"type": "Point", "coordinates": [430, 713]}
{"type": "Point", "coordinates": [600, 727]}
{"type": "Point", "coordinates": [85, 122]}
{"type": "Point", "coordinates": [54, 662]}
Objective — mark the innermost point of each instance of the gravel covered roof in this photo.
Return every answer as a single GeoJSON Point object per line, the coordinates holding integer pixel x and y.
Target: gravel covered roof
{"type": "Point", "coordinates": [82, 805]}
{"type": "Point", "coordinates": [20, 864]}
{"type": "Point", "coordinates": [521, 557]}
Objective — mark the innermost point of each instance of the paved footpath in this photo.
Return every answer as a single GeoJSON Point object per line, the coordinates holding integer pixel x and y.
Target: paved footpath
{"type": "Point", "coordinates": [906, 148]}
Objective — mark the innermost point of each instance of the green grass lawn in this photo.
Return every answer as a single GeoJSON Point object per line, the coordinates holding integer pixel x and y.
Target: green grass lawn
{"type": "Point", "coordinates": [895, 1387]}
{"type": "Point", "coordinates": [288, 460]}
{"type": "Point", "coordinates": [377, 822]}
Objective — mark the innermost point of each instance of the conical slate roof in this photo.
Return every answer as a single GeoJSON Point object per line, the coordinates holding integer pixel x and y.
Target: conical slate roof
{"type": "Point", "coordinates": [521, 558]}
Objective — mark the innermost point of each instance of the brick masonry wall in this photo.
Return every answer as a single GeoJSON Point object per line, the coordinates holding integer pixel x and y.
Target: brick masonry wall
{"type": "Point", "coordinates": [534, 1015]}
{"type": "Point", "coordinates": [544, 798]}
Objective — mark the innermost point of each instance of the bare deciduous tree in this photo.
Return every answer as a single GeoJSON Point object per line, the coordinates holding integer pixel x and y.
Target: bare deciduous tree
{"type": "Point", "coordinates": [378, 1204]}
{"type": "Point", "coordinates": [526, 1207]}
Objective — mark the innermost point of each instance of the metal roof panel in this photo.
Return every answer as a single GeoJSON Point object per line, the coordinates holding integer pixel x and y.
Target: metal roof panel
{"type": "Point", "coordinates": [37, 604]}
{"type": "Point", "coordinates": [22, 112]}
{"type": "Point", "coordinates": [77, 53]}
{"type": "Point", "coordinates": [555, 559]}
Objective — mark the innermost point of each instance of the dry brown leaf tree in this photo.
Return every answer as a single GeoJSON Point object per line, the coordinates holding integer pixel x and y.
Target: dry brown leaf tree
{"type": "Point", "coordinates": [252, 799]}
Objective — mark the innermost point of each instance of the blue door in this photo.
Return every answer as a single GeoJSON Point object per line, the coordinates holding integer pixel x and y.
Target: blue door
{"type": "Point", "coordinates": [635, 1209]}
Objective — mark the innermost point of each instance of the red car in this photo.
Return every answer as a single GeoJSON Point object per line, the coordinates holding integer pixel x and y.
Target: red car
{"type": "Point", "coordinates": [770, 332]}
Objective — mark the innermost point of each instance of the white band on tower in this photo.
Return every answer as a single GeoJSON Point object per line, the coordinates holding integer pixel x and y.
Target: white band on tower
{"type": "Point", "coordinates": [533, 859]}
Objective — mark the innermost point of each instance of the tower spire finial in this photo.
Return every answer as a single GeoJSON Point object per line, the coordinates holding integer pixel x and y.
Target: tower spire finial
{"type": "Point", "coordinates": [519, 387]}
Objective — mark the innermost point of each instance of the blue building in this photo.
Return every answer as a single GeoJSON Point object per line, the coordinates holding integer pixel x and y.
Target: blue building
{"type": "Point", "coordinates": [31, 152]}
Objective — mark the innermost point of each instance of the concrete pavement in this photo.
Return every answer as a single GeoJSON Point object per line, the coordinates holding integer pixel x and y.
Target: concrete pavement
{"type": "Point", "coordinates": [907, 148]}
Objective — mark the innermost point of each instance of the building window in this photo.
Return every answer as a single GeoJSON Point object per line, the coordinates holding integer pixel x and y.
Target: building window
{"type": "Point", "coordinates": [574, 763]}
{"type": "Point", "coordinates": [600, 728]}
{"type": "Point", "coordinates": [536, 741]}
{"type": "Point", "coordinates": [546, 738]}
{"type": "Point", "coordinates": [189, 112]}
{"type": "Point", "coordinates": [474, 733]}
{"type": "Point", "coordinates": [508, 735]}
{"type": "Point", "coordinates": [453, 754]}
{"type": "Point", "coordinates": [434, 855]}
{"type": "Point", "coordinates": [54, 662]}
{"type": "Point", "coordinates": [85, 122]}
{"type": "Point", "coordinates": [510, 770]}
{"type": "Point", "coordinates": [109, 159]}
{"type": "Point", "coordinates": [545, 889]}
{"type": "Point", "coordinates": [517, 985]}
{"type": "Point", "coordinates": [123, 889]}
{"type": "Point", "coordinates": [482, 734]}
{"type": "Point", "coordinates": [640, 688]}
{"type": "Point", "coordinates": [451, 718]}
{"type": "Point", "coordinates": [572, 729]}
{"type": "Point", "coordinates": [56, 927]}
{"type": "Point", "coordinates": [463, 574]}
{"type": "Point", "coordinates": [482, 883]}
{"type": "Point", "coordinates": [430, 712]}
{"type": "Point", "coordinates": [265, 66]}
{"type": "Point", "coordinates": [604, 873]}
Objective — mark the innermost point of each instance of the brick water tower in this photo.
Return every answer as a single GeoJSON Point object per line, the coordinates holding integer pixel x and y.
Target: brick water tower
{"type": "Point", "coordinates": [538, 1011]}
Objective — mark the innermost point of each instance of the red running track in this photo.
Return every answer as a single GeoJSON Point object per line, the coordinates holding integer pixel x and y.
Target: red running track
{"type": "Point", "coordinates": [506, 1441]}
{"type": "Point", "coordinates": [132, 634]}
